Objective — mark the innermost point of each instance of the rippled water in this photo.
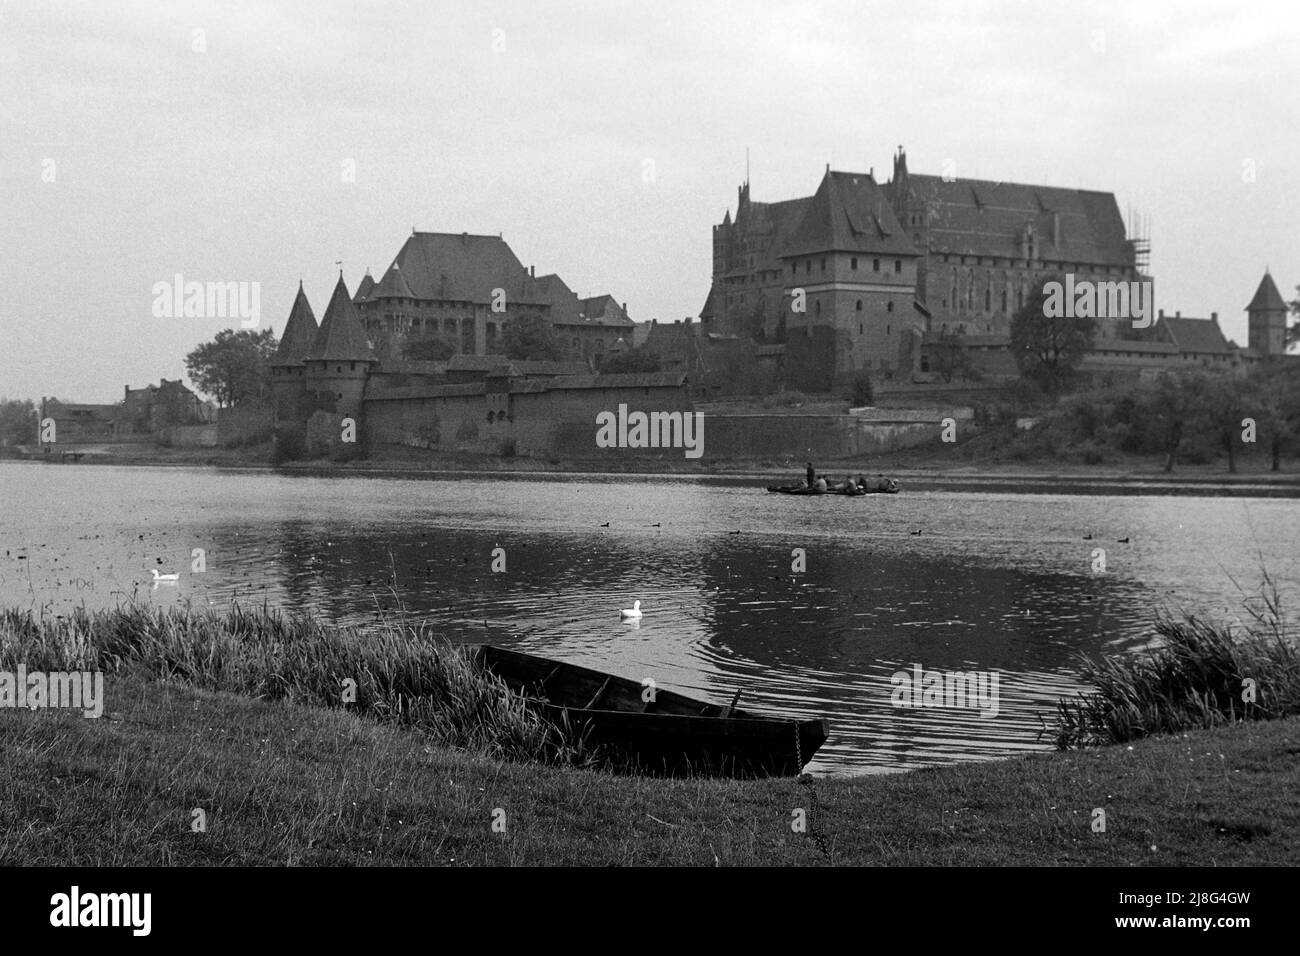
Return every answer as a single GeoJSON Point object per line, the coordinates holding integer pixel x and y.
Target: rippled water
{"type": "Point", "coordinates": [996, 581]}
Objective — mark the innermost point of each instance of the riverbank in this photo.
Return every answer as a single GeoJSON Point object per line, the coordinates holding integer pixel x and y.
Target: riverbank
{"type": "Point", "coordinates": [284, 784]}
{"type": "Point", "coordinates": [910, 465]}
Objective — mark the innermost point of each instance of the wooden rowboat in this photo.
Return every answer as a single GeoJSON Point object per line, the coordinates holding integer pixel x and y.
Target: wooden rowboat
{"type": "Point", "coordinates": [671, 735]}
{"type": "Point", "coordinates": [880, 485]}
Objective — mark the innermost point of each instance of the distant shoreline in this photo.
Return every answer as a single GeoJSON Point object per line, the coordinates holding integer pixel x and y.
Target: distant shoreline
{"type": "Point", "coordinates": [1139, 475]}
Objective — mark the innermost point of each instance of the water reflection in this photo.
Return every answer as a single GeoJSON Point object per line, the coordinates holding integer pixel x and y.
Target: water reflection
{"type": "Point", "coordinates": [995, 582]}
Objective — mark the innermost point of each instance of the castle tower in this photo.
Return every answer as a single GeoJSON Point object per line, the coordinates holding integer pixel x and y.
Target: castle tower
{"type": "Point", "coordinates": [288, 379]}
{"type": "Point", "coordinates": [340, 358]}
{"type": "Point", "coordinates": [1266, 316]}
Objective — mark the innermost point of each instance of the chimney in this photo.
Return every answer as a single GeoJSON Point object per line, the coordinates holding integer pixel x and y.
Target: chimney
{"type": "Point", "coordinates": [1214, 317]}
{"type": "Point", "coordinates": [126, 392]}
{"type": "Point", "coordinates": [1178, 315]}
{"type": "Point", "coordinates": [532, 272]}
{"type": "Point", "coordinates": [625, 308]}
{"type": "Point", "coordinates": [1160, 314]}
{"type": "Point", "coordinates": [1056, 229]}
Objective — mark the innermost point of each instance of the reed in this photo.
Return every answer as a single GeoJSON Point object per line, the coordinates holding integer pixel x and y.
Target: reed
{"type": "Point", "coordinates": [1201, 674]}
{"type": "Point", "coordinates": [404, 675]}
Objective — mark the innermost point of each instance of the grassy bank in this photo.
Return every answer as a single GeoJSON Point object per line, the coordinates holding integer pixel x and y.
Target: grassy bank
{"type": "Point", "coordinates": [283, 783]}
{"type": "Point", "coordinates": [238, 715]}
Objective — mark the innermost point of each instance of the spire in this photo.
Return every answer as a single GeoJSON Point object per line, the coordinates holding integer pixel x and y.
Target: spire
{"type": "Point", "coordinates": [340, 337]}
{"type": "Point", "coordinates": [1267, 298]}
{"type": "Point", "coordinates": [299, 332]}
{"type": "Point", "coordinates": [366, 287]}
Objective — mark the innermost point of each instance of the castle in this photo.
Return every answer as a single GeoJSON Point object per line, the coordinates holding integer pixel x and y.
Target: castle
{"type": "Point", "coordinates": [333, 385]}
{"type": "Point", "coordinates": [863, 276]}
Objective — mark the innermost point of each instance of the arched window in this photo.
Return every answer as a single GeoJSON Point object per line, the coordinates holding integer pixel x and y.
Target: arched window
{"type": "Point", "coordinates": [858, 307]}
{"type": "Point", "coordinates": [889, 306]}
{"type": "Point", "coordinates": [988, 300]}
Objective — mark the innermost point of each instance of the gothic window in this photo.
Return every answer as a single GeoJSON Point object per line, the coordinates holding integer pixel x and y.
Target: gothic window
{"type": "Point", "coordinates": [853, 263]}
{"type": "Point", "coordinates": [889, 306]}
{"type": "Point", "coordinates": [875, 265]}
{"type": "Point", "coordinates": [898, 265]}
{"type": "Point", "coordinates": [887, 329]}
{"type": "Point", "coordinates": [988, 300]}
{"type": "Point", "coordinates": [1004, 300]}
{"type": "Point", "coordinates": [859, 306]}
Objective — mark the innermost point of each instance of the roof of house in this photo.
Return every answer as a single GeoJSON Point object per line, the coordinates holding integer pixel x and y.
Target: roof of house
{"type": "Point", "coordinates": [1267, 298]}
{"type": "Point", "coordinates": [849, 213]}
{"type": "Point", "coordinates": [605, 310]}
{"type": "Point", "coordinates": [1196, 336]}
{"type": "Point", "coordinates": [299, 332]}
{"type": "Point", "coordinates": [340, 337]}
{"type": "Point", "coordinates": [982, 218]}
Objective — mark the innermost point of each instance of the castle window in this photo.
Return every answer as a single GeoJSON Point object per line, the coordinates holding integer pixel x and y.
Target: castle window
{"type": "Point", "coordinates": [988, 300]}
{"type": "Point", "coordinates": [340, 368]}
{"type": "Point", "coordinates": [875, 265]}
{"type": "Point", "coordinates": [898, 265]}
{"type": "Point", "coordinates": [817, 306]}
{"type": "Point", "coordinates": [491, 417]}
{"type": "Point", "coordinates": [1004, 300]}
{"type": "Point", "coordinates": [887, 329]}
{"type": "Point", "coordinates": [859, 306]}
{"type": "Point", "coordinates": [823, 263]}
{"type": "Point", "coordinates": [859, 328]}
{"type": "Point", "coordinates": [354, 366]}
{"type": "Point", "coordinates": [853, 263]}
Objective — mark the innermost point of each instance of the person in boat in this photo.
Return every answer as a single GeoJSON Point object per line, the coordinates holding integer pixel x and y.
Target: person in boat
{"type": "Point", "coordinates": [812, 475]}
{"type": "Point", "coordinates": [820, 486]}
{"type": "Point", "coordinates": [862, 484]}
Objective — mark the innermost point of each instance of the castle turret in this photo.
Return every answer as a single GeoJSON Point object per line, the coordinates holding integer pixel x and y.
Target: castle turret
{"type": "Point", "coordinates": [1266, 318]}
{"type": "Point", "coordinates": [340, 358]}
{"type": "Point", "coordinates": [288, 381]}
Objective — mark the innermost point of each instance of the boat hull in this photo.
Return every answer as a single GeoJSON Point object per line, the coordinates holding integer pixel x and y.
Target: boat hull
{"type": "Point", "coordinates": [668, 734]}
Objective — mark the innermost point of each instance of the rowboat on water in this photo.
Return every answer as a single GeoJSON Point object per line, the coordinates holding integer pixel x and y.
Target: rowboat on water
{"type": "Point", "coordinates": [661, 733]}
{"type": "Point", "coordinates": [880, 485]}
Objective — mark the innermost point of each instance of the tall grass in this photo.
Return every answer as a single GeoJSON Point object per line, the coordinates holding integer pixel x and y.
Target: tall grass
{"type": "Point", "coordinates": [1202, 674]}
{"type": "Point", "coordinates": [403, 674]}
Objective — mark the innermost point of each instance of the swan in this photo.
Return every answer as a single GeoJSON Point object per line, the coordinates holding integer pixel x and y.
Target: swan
{"type": "Point", "coordinates": [163, 577]}
{"type": "Point", "coordinates": [633, 613]}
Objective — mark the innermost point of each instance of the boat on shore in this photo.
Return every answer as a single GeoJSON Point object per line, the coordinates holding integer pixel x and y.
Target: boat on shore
{"type": "Point", "coordinates": [661, 733]}
{"type": "Point", "coordinates": [879, 485]}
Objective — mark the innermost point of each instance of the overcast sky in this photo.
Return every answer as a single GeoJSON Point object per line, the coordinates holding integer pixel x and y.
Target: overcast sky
{"type": "Point", "coordinates": [544, 122]}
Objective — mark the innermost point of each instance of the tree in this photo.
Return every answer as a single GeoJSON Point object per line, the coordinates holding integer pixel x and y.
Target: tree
{"type": "Point", "coordinates": [1293, 330]}
{"type": "Point", "coordinates": [950, 354]}
{"type": "Point", "coordinates": [1228, 400]}
{"type": "Point", "coordinates": [1046, 343]}
{"type": "Point", "coordinates": [638, 359]}
{"type": "Point", "coordinates": [1172, 408]}
{"type": "Point", "coordinates": [530, 337]}
{"type": "Point", "coordinates": [233, 367]}
{"type": "Point", "coordinates": [17, 421]}
{"type": "Point", "coordinates": [428, 350]}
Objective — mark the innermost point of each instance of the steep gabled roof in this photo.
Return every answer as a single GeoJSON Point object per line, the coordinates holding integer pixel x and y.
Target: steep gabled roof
{"type": "Point", "coordinates": [1267, 298]}
{"type": "Point", "coordinates": [462, 268]}
{"type": "Point", "coordinates": [366, 287]}
{"type": "Point", "coordinates": [340, 337]}
{"type": "Point", "coordinates": [849, 213]}
{"type": "Point", "coordinates": [605, 310]}
{"type": "Point", "coordinates": [1196, 336]}
{"type": "Point", "coordinates": [299, 332]}
{"type": "Point", "coordinates": [981, 218]}
{"type": "Point", "coordinates": [392, 285]}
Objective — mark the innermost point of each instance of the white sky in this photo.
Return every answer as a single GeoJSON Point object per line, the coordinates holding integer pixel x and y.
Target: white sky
{"type": "Point", "coordinates": [225, 165]}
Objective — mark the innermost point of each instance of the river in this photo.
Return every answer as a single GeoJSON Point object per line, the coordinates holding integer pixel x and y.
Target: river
{"type": "Point", "coordinates": [999, 581]}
